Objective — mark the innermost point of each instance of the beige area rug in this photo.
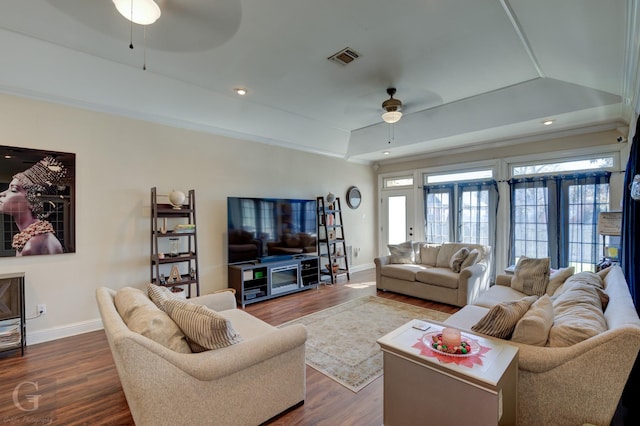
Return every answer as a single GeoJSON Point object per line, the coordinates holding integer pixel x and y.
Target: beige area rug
{"type": "Point", "coordinates": [341, 340]}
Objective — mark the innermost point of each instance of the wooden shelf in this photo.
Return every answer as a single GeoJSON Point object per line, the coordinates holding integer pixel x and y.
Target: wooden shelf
{"type": "Point", "coordinates": [328, 244]}
{"type": "Point", "coordinates": [165, 215]}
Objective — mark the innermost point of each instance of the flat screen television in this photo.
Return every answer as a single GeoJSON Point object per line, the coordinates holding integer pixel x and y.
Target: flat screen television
{"type": "Point", "coordinates": [260, 229]}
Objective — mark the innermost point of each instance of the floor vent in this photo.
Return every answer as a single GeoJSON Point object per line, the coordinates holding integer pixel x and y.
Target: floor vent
{"type": "Point", "coordinates": [345, 56]}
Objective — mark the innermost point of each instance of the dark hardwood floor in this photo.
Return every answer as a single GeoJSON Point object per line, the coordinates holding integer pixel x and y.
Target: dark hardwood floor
{"type": "Point", "coordinates": [73, 380]}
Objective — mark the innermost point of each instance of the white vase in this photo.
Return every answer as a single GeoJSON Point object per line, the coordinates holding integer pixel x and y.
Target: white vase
{"type": "Point", "coordinates": [176, 198]}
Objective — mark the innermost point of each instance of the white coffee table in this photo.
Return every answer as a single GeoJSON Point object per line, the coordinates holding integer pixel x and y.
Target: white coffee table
{"type": "Point", "coordinates": [423, 386]}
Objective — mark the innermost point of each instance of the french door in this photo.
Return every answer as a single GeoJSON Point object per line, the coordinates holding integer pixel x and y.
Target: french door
{"type": "Point", "coordinates": [397, 219]}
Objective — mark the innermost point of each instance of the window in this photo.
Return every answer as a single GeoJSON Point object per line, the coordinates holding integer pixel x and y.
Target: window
{"type": "Point", "coordinates": [557, 216]}
{"type": "Point", "coordinates": [474, 215]}
{"type": "Point", "coordinates": [585, 202]}
{"type": "Point", "coordinates": [462, 212]}
{"type": "Point", "coordinates": [397, 182]}
{"type": "Point", "coordinates": [596, 163]}
{"type": "Point", "coordinates": [437, 213]}
{"type": "Point", "coordinates": [530, 204]}
{"type": "Point", "coordinates": [459, 176]}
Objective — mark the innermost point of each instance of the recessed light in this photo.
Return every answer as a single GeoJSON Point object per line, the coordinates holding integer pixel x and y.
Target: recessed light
{"type": "Point", "coordinates": [385, 153]}
{"type": "Point", "coordinates": [548, 122]}
{"type": "Point", "coordinates": [240, 91]}
{"type": "Point", "coordinates": [7, 156]}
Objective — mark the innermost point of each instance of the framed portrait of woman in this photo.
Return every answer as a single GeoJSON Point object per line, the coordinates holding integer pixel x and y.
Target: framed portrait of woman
{"type": "Point", "coordinates": [37, 201]}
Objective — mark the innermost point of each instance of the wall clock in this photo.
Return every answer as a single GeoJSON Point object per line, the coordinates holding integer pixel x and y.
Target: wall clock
{"type": "Point", "coordinates": [354, 198]}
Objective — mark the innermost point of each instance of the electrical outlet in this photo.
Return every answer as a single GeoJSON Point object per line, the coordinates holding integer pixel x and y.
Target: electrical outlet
{"type": "Point", "coordinates": [42, 309]}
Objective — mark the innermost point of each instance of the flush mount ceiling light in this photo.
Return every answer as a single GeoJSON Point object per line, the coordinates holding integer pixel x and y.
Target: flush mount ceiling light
{"type": "Point", "coordinates": [392, 108]}
{"type": "Point", "coordinates": [142, 12]}
{"type": "Point", "coordinates": [548, 122]}
{"type": "Point", "coordinates": [240, 91]}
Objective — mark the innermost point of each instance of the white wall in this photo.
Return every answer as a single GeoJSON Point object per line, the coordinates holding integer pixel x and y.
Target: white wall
{"type": "Point", "coordinates": [118, 160]}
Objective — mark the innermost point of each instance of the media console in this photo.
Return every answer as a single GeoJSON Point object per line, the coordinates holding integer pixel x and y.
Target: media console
{"type": "Point", "coordinates": [258, 281]}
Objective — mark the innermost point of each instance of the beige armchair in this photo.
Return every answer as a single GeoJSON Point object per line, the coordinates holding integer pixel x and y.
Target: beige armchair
{"type": "Point", "coordinates": [243, 384]}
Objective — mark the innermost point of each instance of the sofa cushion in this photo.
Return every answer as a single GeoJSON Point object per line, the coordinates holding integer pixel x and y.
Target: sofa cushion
{"type": "Point", "coordinates": [557, 278]}
{"type": "Point", "coordinates": [402, 253]}
{"type": "Point", "coordinates": [204, 328]}
{"type": "Point", "coordinates": [466, 317]}
{"type": "Point", "coordinates": [441, 277]}
{"type": "Point", "coordinates": [584, 277]}
{"type": "Point", "coordinates": [457, 258]}
{"type": "Point", "coordinates": [246, 324]}
{"type": "Point", "coordinates": [429, 254]}
{"type": "Point", "coordinates": [471, 259]}
{"type": "Point", "coordinates": [405, 272]}
{"type": "Point", "coordinates": [531, 276]}
{"type": "Point", "coordinates": [577, 315]}
{"type": "Point", "coordinates": [496, 294]}
{"type": "Point", "coordinates": [533, 328]}
{"type": "Point", "coordinates": [142, 316]}
{"type": "Point", "coordinates": [502, 318]}
{"type": "Point", "coordinates": [445, 253]}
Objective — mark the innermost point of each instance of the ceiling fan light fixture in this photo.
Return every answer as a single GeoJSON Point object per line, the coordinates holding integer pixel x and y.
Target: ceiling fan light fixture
{"type": "Point", "coordinates": [391, 108]}
{"type": "Point", "coordinates": [144, 12]}
{"type": "Point", "coordinates": [391, 116]}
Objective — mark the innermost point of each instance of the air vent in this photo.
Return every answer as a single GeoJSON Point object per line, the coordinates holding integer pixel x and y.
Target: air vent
{"type": "Point", "coordinates": [345, 56]}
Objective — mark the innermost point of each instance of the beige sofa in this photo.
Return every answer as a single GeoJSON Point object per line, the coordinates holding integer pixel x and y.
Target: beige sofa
{"type": "Point", "coordinates": [430, 277]}
{"type": "Point", "coordinates": [573, 385]}
{"type": "Point", "coordinates": [243, 384]}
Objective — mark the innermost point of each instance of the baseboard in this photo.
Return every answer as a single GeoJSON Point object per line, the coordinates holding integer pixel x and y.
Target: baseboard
{"type": "Point", "coordinates": [54, 333]}
{"type": "Point", "coordinates": [361, 268]}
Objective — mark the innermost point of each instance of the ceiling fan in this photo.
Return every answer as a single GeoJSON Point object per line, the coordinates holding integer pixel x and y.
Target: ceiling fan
{"type": "Point", "coordinates": [392, 108]}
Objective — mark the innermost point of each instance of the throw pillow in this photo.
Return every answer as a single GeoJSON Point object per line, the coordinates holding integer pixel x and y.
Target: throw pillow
{"type": "Point", "coordinates": [558, 278]}
{"type": "Point", "coordinates": [471, 259]}
{"type": "Point", "coordinates": [142, 316]}
{"type": "Point", "coordinates": [458, 257]}
{"type": "Point", "coordinates": [577, 316]}
{"type": "Point", "coordinates": [531, 276]}
{"type": "Point", "coordinates": [429, 254]}
{"type": "Point", "coordinates": [402, 253]}
{"type": "Point", "coordinates": [205, 329]}
{"type": "Point", "coordinates": [533, 328]}
{"type": "Point", "coordinates": [159, 295]}
{"type": "Point", "coordinates": [502, 318]}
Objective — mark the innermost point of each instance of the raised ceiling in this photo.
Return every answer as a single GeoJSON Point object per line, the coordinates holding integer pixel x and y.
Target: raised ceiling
{"type": "Point", "coordinates": [470, 72]}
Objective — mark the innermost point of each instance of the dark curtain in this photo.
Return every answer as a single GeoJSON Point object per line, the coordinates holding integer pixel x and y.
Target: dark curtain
{"type": "Point", "coordinates": [629, 264]}
{"type": "Point", "coordinates": [630, 219]}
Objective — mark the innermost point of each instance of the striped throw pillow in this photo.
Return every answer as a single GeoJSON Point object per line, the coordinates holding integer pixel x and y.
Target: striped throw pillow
{"type": "Point", "coordinates": [204, 328]}
{"type": "Point", "coordinates": [531, 276]}
{"type": "Point", "coordinates": [502, 318]}
{"type": "Point", "coordinates": [159, 295]}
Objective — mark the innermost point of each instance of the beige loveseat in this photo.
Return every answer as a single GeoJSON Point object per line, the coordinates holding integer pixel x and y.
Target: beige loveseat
{"type": "Point", "coordinates": [246, 383]}
{"type": "Point", "coordinates": [429, 274]}
{"type": "Point", "coordinates": [576, 384]}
